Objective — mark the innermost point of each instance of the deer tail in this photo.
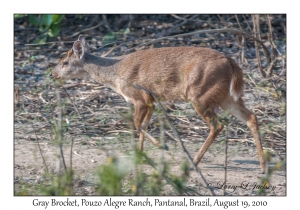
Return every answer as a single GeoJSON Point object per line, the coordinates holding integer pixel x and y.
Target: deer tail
{"type": "Point", "coordinates": [237, 82]}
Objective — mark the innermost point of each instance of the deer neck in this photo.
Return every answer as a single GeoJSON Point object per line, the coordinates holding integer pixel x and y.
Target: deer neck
{"type": "Point", "coordinates": [102, 70]}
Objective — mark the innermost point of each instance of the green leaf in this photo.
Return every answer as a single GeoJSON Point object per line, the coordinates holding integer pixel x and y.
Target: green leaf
{"type": "Point", "coordinates": [34, 19]}
{"type": "Point", "coordinates": [54, 30]}
{"type": "Point", "coordinates": [40, 40]}
{"type": "Point", "coordinates": [57, 18]}
{"type": "Point", "coordinates": [42, 29]}
{"type": "Point", "coordinates": [126, 31]}
{"type": "Point", "coordinates": [47, 19]}
{"type": "Point", "coordinates": [24, 64]}
{"type": "Point", "coordinates": [33, 58]}
{"type": "Point", "coordinates": [18, 15]}
{"type": "Point", "coordinates": [109, 37]}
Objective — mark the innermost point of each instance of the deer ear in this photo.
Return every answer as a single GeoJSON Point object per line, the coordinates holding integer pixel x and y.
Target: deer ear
{"type": "Point", "coordinates": [78, 49]}
{"type": "Point", "coordinates": [82, 39]}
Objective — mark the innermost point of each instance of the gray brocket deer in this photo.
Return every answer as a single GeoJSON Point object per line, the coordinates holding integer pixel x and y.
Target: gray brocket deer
{"type": "Point", "coordinates": [202, 76]}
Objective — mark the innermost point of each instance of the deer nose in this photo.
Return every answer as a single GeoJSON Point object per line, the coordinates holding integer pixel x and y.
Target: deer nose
{"type": "Point", "coordinates": [54, 75]}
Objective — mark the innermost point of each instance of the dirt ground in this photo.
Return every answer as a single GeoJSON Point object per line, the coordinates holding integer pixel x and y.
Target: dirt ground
{"type": "Point", "coordinates": [94, 116]}
{"type": "Point", "coordinates": [242, 169]}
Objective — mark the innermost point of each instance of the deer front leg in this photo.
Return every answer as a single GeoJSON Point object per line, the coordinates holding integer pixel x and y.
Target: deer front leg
{"type": "Point", "coordinates": [144, 126]}
{"type": "Point", "coordinates": [142, 116]}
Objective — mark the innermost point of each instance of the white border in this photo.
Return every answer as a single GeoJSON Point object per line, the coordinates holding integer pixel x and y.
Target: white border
{"type": "Point", "coordinates": [154, 6]}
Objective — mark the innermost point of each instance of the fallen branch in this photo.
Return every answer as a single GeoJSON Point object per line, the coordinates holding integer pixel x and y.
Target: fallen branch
{"type": "Point", "coordinates": [153, 140]}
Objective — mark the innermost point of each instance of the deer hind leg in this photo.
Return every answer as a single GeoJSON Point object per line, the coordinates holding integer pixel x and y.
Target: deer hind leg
{"type": "Point", "coordinates": [215, 128]}
{"type": "Point", "coordinates": [239, 110]}
{"type": "Point", "coordinates": [142, 116]}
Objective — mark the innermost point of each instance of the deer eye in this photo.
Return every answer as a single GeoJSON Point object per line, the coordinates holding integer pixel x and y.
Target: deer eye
{"type": "Point", "coordinates": [65, 63]}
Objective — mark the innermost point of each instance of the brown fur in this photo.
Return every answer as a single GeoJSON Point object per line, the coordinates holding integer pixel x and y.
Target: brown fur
{"type": "Point", "coordinates": [68, 54]}
{"type": "Point", "coordinates": [203, 76]}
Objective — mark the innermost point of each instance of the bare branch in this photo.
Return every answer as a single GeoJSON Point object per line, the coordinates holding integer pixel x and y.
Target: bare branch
{"type": "Point", "coordinates": [256, 31]}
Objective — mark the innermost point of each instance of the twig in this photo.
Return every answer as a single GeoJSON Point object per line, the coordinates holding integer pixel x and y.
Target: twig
{"type": "Point", "coordinates": [111, 43]}
{"type": "Point", "coordinates": [44, 117]}
{"type": "Point", "coordinates": [109, 51]}
{"type": "Point", "coordinates": [222, 20]}
{"type": "Point", "coordinates": [38, 143]}
{"type": "Point", "coordinates": [249, 28]}
{"type": "Point", "coordinates": [237, 20]}
{"type": "Point", "coordinates": [70, 99]}
{"type": "Point", "coordinates": [71, 149]}
{"type": "Point", "coordinates": [274, 49]}
{"type": "Point", "coordinates": [171, 136]}
{"type": "Point", "coordinates": [186, 20]}
{"type": "Point", "coordinates": [269, 70]}
{"type": "Point", "coordinates": [162, 140]}
{"type": "Point", "coordinates": [119, 131]}
{"type": "Point", "coordinates": [256, 31]}
{"type": "Point", "coordinates": [59, 133]}
{"type": "Point", "coordinates": [76, 153]}
{"type": "Point", "coordinates": [251, 79]}
{"type": "Point", "coordinates": [106, 23]}
{"type": "Point", "coordinates": [225, 161]}
{"type": "Point", "coordinates": [177, 17]}
{"type": "Point", "coordinates": [48, 43]}
{"type": "Point", "coordinates": [34, 130]}
{"type": "Point", "coordinates": [87, 29]}
{"type": "Point", "coordinates": [242, 43]}
{"type": "Point", "coordinates": [187, 122]}
{"type": "Point", "coordinates": [241, 140]}
{"type": "Point", "coordinates": [41, 97]}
